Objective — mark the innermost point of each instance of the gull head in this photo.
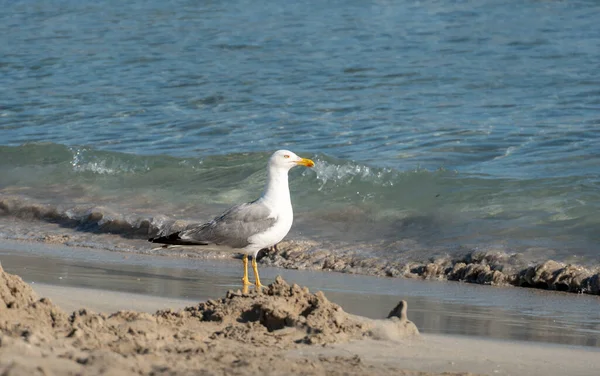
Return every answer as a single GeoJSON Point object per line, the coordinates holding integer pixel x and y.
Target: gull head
{"type": "Point", "coordinates": [285, 159]}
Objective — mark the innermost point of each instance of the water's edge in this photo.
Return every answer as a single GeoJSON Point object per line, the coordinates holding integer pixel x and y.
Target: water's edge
{"type": "Point", "coordinates": [492, 267]}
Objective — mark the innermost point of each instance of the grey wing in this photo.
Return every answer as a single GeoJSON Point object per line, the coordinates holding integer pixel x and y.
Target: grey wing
{"type": "Point", "coordinates": [234, 227]}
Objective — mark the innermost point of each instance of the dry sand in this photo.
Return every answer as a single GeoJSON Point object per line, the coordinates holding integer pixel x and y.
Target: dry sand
{"type": "Point", "coordinates": [239, 334]}
{"type": "Point", "coordinates": [284, 330]}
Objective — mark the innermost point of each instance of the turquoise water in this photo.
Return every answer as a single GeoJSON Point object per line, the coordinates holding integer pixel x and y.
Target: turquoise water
{"type": "Point", "coordinates": [444, 124]}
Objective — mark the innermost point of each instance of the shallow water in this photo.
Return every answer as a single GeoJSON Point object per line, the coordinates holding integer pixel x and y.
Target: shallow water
{"type": "Point", "coordinates": [447, 308]}
{"type": "Point", "coordinates": [447, 126]}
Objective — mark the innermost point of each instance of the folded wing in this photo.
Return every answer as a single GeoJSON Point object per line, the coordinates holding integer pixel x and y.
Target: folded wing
{"type": "Point", "coordinates": [233, 228]}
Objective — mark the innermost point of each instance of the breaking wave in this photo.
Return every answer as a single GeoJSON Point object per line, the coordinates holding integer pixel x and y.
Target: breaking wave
{"type": "Point", "coordinates": [383, 214]}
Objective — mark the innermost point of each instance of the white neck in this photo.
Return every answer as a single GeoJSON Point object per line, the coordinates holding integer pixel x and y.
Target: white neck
{"type": "Point", "coordinates": [277, 191]}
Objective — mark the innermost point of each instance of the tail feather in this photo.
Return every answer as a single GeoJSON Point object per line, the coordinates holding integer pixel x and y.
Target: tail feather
{"type": "Point", "coordinates": [175, 239]}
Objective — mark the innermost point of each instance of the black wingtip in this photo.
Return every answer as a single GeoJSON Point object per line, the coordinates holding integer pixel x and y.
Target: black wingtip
{"type": "Point", "coordinates": [169, 239]}
{"type": "Point", "coordinates": [174, 239]}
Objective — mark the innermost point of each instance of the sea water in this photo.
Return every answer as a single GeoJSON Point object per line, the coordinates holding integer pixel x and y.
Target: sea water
{"type": "Point", "coordinates": [436, 126]}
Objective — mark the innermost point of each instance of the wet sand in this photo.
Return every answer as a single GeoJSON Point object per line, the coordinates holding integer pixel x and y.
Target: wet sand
{"type": "Point", "coordinates": [284, 330]}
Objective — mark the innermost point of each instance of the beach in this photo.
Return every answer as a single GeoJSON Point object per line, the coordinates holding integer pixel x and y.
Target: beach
{"type": "Point", "coordinates": [454, 162]}
{"type": "Point", "coordinates": [82, 327]}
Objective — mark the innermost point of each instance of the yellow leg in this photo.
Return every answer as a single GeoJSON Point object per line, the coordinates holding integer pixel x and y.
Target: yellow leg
{"type": "Point", "coordinates": [256, 277]}
{"type": "Point", "coordinates": [245, 280]}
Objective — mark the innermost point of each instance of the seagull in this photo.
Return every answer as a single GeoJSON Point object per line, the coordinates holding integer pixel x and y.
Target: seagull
{"type": "Point", "coordinates": [247, 228]}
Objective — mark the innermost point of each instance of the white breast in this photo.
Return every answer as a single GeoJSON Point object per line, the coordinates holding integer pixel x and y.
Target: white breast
{"type": "Point", "coordinates": [277, 198]}
{"type": "Point", "coordinates": [274, 234]}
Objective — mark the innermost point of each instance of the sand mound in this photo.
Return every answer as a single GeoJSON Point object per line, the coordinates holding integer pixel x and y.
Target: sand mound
{"type": "Point", "coordinates": [313, 318]}
{"type": "Point", "coordinates": [22, 314]}
{"type": "Point", "coordinates": [241, 333]}
{"type": "Point", "coordinates": [14, 293]}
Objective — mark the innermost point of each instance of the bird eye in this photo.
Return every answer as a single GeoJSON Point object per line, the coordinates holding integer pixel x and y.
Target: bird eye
{"type": "Point", "coordinates": [286, 156]}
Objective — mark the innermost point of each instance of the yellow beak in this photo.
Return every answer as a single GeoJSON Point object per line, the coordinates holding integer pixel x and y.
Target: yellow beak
{"type": "Point", "coordinates": [305, 162]}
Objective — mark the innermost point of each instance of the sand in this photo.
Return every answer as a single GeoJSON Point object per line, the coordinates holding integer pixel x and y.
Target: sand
{"type": "Point", "coordinates": [284, 330]}
{"type": "Point", "coordinates": [238, 334]}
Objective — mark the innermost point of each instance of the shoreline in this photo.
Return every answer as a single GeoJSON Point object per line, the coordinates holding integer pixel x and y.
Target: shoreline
{"type": "Point", "coordinates": [489, 267]}
{"type": "Point", "coordinates": [494, 268]}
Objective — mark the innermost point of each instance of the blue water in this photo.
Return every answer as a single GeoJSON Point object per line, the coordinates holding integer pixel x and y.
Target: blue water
{"type": "Point", "coordinates": [450, 123]}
